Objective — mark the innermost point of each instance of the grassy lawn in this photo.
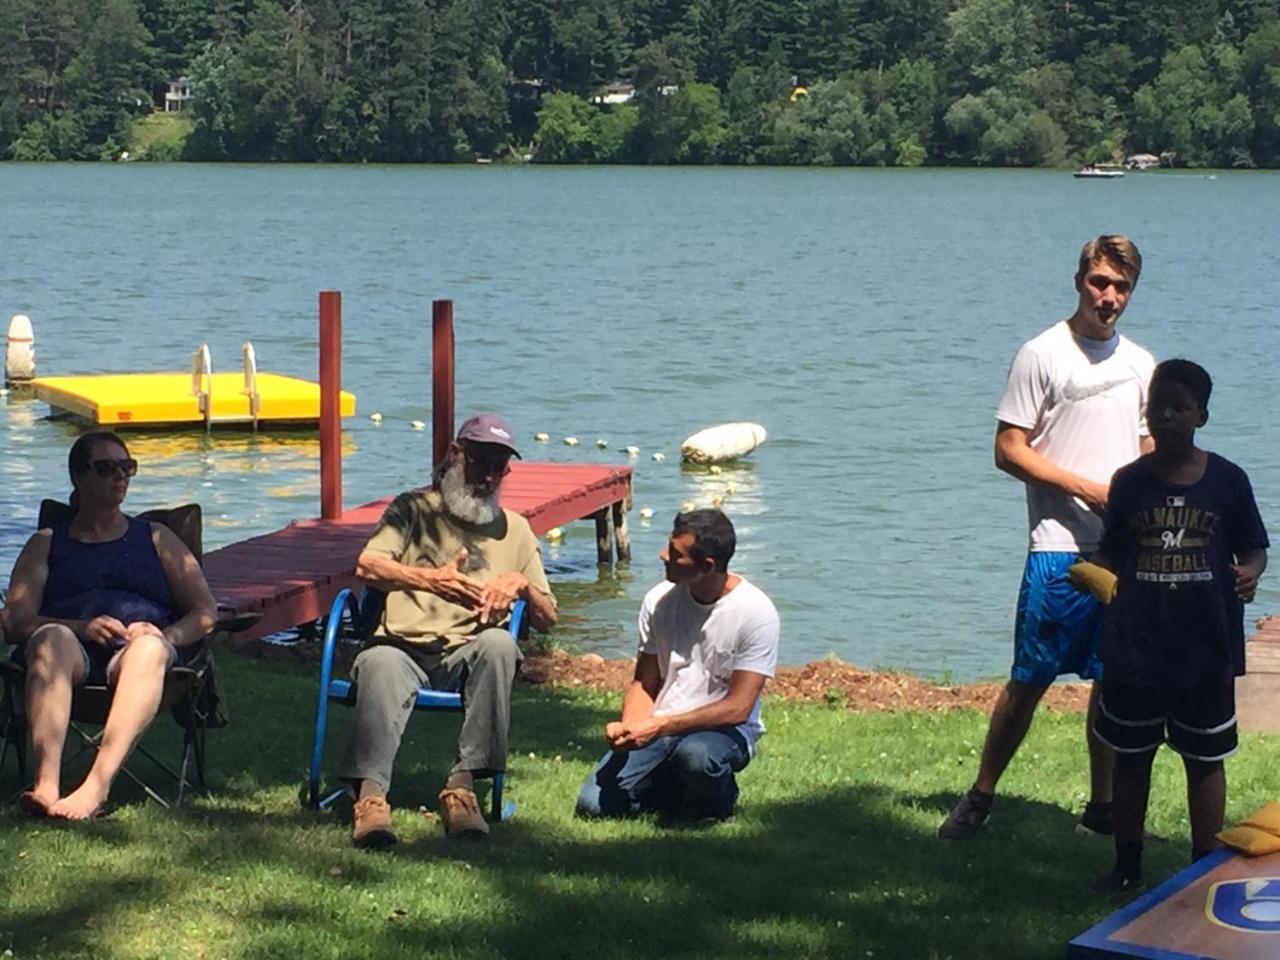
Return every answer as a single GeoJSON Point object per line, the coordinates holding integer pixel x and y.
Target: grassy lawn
{"type": "Point", "coordinates": [832, 854]}
{"type": "Point", "coordinates": [159, 136]}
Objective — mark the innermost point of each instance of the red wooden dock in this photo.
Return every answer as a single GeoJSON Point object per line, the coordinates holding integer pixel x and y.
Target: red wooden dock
{"type": "Point", "coordinates": [291, 576]}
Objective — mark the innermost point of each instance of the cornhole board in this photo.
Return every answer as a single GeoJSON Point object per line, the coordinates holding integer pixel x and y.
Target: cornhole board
{"type": "Point", "coordinates": [1225, 907]}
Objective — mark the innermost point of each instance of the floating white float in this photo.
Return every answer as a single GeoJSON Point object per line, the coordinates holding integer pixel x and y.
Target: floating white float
{"type": "Point", "coordinates": [687, 506]}
{"type": "Point", "coordinates": [375, 417]}
{"type": "Point", "coordinates": [570, 441]}
{"type": "Point", "coordinates": [555, 534]}
{"type": "Point", "coordinates": [417, 424]}
{"type": "Point", "coordinates": [723, 443]}
{"type": "Point", "coordinates": [631, 451]}
{"type": "Point", "coordinates": [659, 456]}
{"type": "Point", "coordinates": [542, 437]}
{"type": "Point", "coordinates": [20, 352]}
{"type": "Point", "coordinates": [714, 469]}
{"type": "Point", "coordinates": [646, 513]}
{"type": "Point", "coordinates": [602, 443]}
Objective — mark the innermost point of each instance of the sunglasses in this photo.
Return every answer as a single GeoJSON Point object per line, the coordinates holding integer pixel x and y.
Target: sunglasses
{"type": "Point", "coordinates": [488, 462]}
{"type": "Point", "coordinates": [107, 468]}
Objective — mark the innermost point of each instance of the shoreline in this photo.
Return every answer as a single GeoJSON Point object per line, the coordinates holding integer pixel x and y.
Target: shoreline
{"type": "Point", "coordinates": [829, 681]}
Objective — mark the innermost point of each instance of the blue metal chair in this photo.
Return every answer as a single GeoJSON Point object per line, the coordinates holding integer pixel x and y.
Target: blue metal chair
{"type": "Point", "coordinates": [362, 615]}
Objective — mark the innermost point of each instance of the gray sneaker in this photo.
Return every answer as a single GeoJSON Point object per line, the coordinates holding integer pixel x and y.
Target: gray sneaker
{"type": "Point", "coordinates": [967, 817]}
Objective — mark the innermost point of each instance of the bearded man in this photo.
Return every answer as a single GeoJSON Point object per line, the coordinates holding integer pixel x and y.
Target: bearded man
{"type": "Point", "coordinates": [452, 563]}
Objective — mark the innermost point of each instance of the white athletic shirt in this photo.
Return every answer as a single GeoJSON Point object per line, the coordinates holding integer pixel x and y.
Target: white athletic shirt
{"type": "Point", "coordinates": [699, 645]}
{"type": "Point", "coordinates": [1085, 403]}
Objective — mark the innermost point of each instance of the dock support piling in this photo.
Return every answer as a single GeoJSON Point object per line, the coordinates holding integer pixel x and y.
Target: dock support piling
{"type": "Point", "coordinates": [442, 372]}
{"type": "Point", "coordinates": [604, 542]}
{"type": "Point", "coordinates": [330, 407]}
{"type": "Point", "coordinates": [621, 536]}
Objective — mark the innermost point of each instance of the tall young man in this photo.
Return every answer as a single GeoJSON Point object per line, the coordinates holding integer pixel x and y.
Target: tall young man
{"type": "Point", "coordinates": [1073, 412]}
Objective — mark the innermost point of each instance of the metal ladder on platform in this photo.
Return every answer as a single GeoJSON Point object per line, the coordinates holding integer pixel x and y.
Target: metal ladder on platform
{"type": "Point", "coordinates": [202, 386]}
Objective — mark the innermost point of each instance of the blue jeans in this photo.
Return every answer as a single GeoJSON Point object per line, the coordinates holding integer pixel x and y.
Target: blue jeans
{"type": "Point", "coordinates": [688, 775]}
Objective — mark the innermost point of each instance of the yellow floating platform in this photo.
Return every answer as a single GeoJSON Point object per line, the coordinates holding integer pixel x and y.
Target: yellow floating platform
{"type": "Point", "coordinates": [144, 399]}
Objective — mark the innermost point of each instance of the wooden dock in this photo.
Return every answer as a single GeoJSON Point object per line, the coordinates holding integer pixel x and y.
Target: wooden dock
{"type": "Point", "coordinates": [1258, 692]}
{"type": "Point", "coordinates": [291, 576]}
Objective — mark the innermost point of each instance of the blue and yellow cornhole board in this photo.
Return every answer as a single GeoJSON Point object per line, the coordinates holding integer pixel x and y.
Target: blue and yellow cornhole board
{"type": "Point", "coordinates": [1225, 907]}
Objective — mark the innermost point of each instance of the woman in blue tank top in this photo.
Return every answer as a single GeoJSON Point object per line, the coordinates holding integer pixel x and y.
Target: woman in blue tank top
{"type": "Point", "coordinates": [103, 597]}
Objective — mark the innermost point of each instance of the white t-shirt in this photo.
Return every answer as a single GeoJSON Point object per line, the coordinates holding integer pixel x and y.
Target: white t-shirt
{"type": "Point", "coordinates": [699, 646]}
{"type": "Point", "coordinates": [1085, 403]}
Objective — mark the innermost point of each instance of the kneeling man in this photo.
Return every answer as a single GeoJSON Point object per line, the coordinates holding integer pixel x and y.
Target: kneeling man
{"type": "Point", "coordinates": [691, 716]}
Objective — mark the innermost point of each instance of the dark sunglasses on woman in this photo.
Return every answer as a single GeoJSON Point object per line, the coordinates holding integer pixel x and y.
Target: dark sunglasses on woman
{"type": "Point", "coordinates": [107, 468]}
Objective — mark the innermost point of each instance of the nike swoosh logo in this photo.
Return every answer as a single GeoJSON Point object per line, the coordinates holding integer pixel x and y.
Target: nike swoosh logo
{"type": "Point", "coordinates": [1075, 392]}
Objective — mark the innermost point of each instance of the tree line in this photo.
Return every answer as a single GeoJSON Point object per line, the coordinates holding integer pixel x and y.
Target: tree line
{"type": "Point", "coordinates": [858, 82]}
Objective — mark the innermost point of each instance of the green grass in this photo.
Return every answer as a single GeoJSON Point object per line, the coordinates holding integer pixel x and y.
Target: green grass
{"type": "Point", "coordinates": [832, 854]}
{"type": "Point", "coordinates": [159, 136]}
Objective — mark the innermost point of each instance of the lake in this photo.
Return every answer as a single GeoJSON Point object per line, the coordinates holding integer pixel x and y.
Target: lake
{"type": "Point", "coordinates": [866, 318]}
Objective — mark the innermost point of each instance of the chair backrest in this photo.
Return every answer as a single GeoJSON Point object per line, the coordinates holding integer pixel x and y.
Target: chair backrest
{"type": "Point", "coordinates": [186, 521]}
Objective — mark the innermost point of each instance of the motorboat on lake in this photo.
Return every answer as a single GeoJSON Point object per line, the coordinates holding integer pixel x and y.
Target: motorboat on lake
{"type": "Point", "coordinates": [1099, 171]}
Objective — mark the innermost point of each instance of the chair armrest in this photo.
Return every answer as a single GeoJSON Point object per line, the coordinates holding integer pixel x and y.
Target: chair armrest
{"type": "Point", "coordinates": [231, 622]}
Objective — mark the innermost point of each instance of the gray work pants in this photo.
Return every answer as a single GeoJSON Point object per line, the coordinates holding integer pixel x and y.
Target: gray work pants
{"type": "Point", "coordinates": [387, 681]}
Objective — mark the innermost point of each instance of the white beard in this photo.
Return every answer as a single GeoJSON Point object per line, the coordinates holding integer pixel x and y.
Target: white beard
{"type": "Point", "coordinates": [462, 503]}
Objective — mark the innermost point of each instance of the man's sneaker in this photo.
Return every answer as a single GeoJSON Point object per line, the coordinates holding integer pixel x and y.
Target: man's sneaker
{"type": "Point", "coordinates": [460, 811]}
{"type": "Point", "coordinates": [1095, 819]}
{"type": "Point", "coordinates": [969, 814]}
{"type": "Point", "coordinates": [371, 823]}
{"type": "Point", "coordinates": [1116, 883]}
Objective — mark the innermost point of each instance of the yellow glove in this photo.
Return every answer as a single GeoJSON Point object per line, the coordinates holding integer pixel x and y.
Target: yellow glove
{"type": "Point", "coordinates": [1099, 581]}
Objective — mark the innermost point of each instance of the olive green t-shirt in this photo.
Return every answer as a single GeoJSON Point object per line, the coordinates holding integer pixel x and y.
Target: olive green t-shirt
{"type": "Point", "coordinates": [415, 530]}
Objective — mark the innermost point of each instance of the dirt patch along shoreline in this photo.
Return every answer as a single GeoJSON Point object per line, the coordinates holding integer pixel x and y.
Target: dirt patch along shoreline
{"type": "Point", "coordinates": [829, 681]}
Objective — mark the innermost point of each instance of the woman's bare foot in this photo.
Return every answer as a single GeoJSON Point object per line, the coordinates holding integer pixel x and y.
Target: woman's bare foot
{"type": "Point", "coordinates": [37, 801]}
{"type": "Point", "coordinates": [82, 804]}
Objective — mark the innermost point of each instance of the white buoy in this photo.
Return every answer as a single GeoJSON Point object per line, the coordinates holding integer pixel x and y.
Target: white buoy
{"type": "Point", "coordinates": [417, 424]}
{"type": "Point", "coordinates": [570, 441]}
{"type": "Point", "coordinates": [722, 443]}
{"type": "Point", "coordinates": [713, 469]}
{"type": "Point", "coordinates": [659, 456]}
{"type": "Point", "coordinates": [375, 417]}
{"type": "Point", "coordinates": [646, 513]}
{"type": "Point", "coordinates": [631, 451]}
{"type": "Point", "coordinates": [20, 354]}
{"type": "Point", "coordinates": [602, 443]}
{"type": "Point", "coordinates": [555, 534]}
{"type": "Point", "coordinates": [542, 437]}
{"type": "Point", "coordinates": [687, 506]}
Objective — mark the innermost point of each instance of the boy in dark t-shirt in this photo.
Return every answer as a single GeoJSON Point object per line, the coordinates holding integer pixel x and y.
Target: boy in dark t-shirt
{"type": "Point", "coordinates": [1186, 542]}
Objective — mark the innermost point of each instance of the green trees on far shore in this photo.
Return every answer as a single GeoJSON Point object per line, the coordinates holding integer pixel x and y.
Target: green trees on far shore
{"type": "Point", "coordinates": [856, 82]}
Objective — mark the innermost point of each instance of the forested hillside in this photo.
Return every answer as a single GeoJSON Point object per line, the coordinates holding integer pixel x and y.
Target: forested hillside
{"type": "Point", "coordinates": [883, 82]}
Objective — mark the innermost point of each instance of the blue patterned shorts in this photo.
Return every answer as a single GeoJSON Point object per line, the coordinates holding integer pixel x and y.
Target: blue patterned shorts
{"type": "Point", "coordinates": [1058, 628]}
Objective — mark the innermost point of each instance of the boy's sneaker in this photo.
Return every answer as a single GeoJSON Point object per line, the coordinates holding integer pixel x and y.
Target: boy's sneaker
{"type": "Point", "coordinates": [1116, 883]}
{"type": "Point", "coordinates": [1096, 819]}
{"type": "Point", "coordinates": [967, 817]}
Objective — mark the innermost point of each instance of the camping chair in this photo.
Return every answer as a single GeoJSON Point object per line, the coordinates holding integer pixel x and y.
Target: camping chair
{"type": "Point", "coordinates": [363, 615]}
{"type": "Point", "coordinates": [190, 689]}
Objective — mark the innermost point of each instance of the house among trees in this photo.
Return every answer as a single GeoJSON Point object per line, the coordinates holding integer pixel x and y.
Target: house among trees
{"type": "Point", "coordinates": [616, 92]}
{"type": "Point", "coordinates": [179, 95]}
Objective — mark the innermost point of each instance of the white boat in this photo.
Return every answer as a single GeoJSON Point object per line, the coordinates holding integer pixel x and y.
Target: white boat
{"type": "Point", "coordinates": [1098, 171]}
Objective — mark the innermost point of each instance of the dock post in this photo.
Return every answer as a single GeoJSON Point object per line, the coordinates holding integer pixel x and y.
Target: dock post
{"type": "Point", "coordinates": [442, 372]}
{"type": "Point", "coordinates": [621, 536]}
{"type": "Point", "coordinates": [330, 409]}
{"type": "Point", "coordinates": [604, 542]}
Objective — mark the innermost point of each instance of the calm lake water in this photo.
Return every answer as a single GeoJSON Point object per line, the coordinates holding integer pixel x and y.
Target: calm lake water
{"type": "Point", "coordinates": [866, 318]}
